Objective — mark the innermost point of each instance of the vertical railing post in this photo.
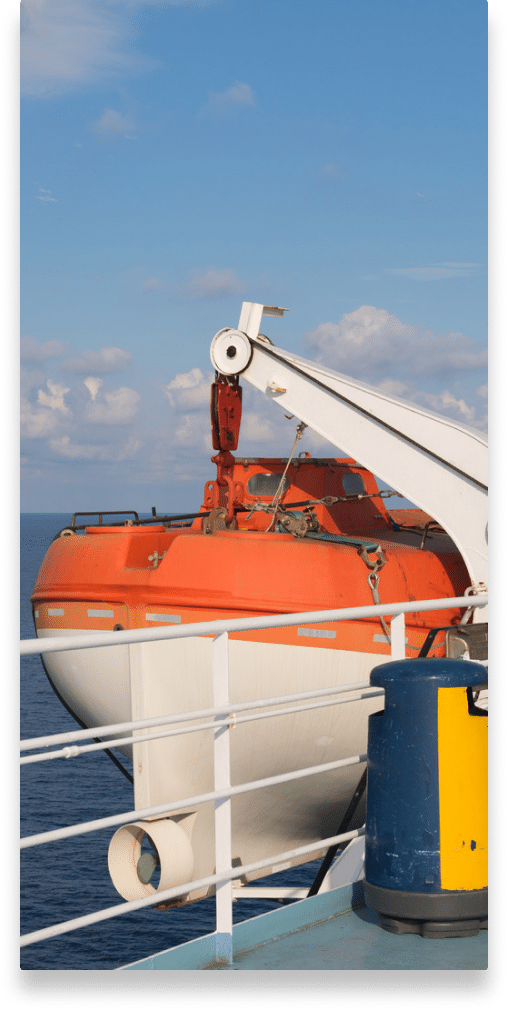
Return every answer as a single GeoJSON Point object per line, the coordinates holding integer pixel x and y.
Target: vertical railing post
{"type": "Point", "coordinates": [222, 778]}
{"type": "Point", "coordinates": [398, 636]}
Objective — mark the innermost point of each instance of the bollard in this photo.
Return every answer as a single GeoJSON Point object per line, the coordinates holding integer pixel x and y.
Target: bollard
{"type": "Point", "coordinates": [426, 821]}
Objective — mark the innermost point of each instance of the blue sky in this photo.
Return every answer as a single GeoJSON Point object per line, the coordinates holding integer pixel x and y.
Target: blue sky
{"type": "Point", "coordinates": [178, 157]}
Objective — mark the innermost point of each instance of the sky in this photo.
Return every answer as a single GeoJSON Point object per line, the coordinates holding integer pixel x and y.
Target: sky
{"type": "Point", "coordinates": [179, 157]}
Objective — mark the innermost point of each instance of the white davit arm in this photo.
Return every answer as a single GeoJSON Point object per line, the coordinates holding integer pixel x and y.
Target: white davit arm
{"type": "Point", "coordinates": [435, 462]}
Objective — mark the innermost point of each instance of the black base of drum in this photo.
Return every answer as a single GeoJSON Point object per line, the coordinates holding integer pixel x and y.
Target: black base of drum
{"type": "Point", "coordinates": [434, 930]}
{"type": "Point", "coordinates": [445, 914]}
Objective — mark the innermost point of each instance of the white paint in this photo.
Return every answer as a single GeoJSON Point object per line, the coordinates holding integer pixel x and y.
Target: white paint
{"type": "Point", "coordinates": [173, 675]}
{"type": "Point", "coordinates": [316, 633]}
{"type": "Point", "coordinates": [360, 428]}
{"type": "Point", "coordinates": [164, 618]}
{"type": "Point", "coordinates": [397, 635]}
{"type": "Point", "coordinates": [172, 845]}
{"type": "Point", "coordinates": [221, 765]}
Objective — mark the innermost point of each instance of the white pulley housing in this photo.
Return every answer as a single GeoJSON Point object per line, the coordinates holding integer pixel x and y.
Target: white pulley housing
{"type": "Point", "coordinates": [230, 352]}
{"type": "Point", "coordinates": [127, 865]}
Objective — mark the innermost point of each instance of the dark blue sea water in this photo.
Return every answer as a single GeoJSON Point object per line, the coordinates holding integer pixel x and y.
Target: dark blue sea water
{"type": "Point", "coordinates": [68, 878]}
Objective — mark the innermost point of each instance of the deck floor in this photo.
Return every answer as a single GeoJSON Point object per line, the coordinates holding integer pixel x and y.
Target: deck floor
{"type": "Point", "coordinates": [355, 941]}
{"type": "Point", "coordinates": [331, 931]}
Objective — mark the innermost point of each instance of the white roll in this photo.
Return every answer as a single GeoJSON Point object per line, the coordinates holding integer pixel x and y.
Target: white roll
{"type": "Point", "coordinates": [172, 846]}
{"type": "Point", "coordinates": [230, 352]}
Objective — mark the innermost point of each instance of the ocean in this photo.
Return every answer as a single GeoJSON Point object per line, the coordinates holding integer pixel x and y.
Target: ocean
{"type": "Point", "coordinates": [69, 878]}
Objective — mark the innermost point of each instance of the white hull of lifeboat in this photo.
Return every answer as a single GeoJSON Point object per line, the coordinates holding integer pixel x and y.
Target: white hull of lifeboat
{"type": "Point", "coordinates": [140, 681]}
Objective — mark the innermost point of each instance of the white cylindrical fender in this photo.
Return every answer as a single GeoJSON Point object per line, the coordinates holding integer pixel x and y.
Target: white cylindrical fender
{"type": "Point", "coordinates": [131, 871]}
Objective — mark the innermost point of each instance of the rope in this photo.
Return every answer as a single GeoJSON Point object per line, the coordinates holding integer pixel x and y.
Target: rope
{"type": "Point", "coordinates": [373, 580]}
{"type": "Point", "coordinates": [300, 428]}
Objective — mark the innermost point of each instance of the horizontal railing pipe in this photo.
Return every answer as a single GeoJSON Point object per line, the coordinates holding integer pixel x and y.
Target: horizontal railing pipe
{"type": "Point", "coordinates": [232, 706]}
{"type": "Point", "coordinates": [102, 639]}
{"type": "Point", "coordinates": [229, 711]}
{"type": "Point", "coordinates": [175, 892]}
{"type": "Point", "coordinates": [75, 751]}
{"type": "Point", "coordinates": [164, 808]}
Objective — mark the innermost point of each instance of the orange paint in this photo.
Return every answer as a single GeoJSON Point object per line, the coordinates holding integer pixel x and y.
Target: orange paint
{"type": "Point", "coordinates": [248, 572]}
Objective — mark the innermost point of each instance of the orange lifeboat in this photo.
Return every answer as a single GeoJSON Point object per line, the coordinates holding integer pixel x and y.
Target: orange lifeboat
{"type": "Point", "coordinates": [272, 536]}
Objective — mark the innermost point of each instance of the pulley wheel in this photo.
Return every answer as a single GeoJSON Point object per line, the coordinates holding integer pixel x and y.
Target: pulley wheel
{"type": "Point", "coordinates": [230, 352]}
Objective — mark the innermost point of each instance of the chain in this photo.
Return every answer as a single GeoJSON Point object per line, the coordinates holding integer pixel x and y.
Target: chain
{"type": "Point", "coordinates": [260, 506]}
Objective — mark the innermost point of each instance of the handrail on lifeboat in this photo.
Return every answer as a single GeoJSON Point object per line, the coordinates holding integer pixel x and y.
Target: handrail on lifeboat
{"type": "Point", "coordinates": [224, 716]}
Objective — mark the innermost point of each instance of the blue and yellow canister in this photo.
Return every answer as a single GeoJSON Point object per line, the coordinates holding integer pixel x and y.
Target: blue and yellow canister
{"type": "Point", "coordinates": [426, 821]}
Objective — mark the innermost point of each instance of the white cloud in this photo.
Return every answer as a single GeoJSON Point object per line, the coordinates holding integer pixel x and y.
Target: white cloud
{"type": "Point", "coordinates": [64, 448]}
{"type": "Point", "coordinates": [189, 395]}
{"type": "Point", "coordinates": [32, 350]}
{"type": "Point", "coordinates": [117, 407]}
{"type": "Point", "coordinates": [45, 196]}
{"type": "Point", "coordinates": [93, 385]}
{"type": "Point", "coordinates": [68, 43]}
{"type": "Point", "coordinates": [439, 271]}
{"type": "Point", "coordinates": [30, 378]}
{"type": "Point", "coordinates": [443, 402]}
{"type": "Point", "coordinates": [112, 124]}
{"type": "Point", "coordinates": [459, 266]}
{"type": "Point", "coordinates": [189, 390]}
{"type": "Point", "coordinates": [55, 399]}
{"type": "Point", "coordinates": [238, 96]}
{"type": "Point", "coordinates": [393, 387]}
{"type": "Point", "coordinates": [212, 284]}
{"type": "Point", "coordinates": [108, 359]}
{"type": "Point", "coordinates": [36, 423]}
{"type": "Point", "coordinates": [369, 339]}
{"type": "Point", "coordinates": [256, 428]}
{"type": "Point", "coordinates": [41, 421]}
{"type": "Point", "coordinates": [193, 430]}
{"type": "Point", "coordinates": [483, 391]}
{"type": "Point", "coordinates": [448, 404]}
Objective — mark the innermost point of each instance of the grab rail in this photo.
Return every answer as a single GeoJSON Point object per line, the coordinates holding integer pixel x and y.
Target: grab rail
{"type": "Point", "coordinates": [222, 707]}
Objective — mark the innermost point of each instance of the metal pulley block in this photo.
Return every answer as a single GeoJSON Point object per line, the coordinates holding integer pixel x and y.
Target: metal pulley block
{"type": "Point", "coordinates": [297, 523]}
{"type": "Point", "coordinates": [226, 413]}
{"type": "Point", "coordinates": [217, 521]}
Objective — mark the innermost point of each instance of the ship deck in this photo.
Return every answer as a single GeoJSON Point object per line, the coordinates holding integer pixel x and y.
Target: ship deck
{"type": "Point", "coordinates": [332, 931]}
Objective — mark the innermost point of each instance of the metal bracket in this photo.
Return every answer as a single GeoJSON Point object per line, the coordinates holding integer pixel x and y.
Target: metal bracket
{"type": "Point", "coordinates": [297, 523]}
{"type": "Point", "coordinates": [251, 315]}
{"type": "Point", "coordinates": [462, 641]}
{"type": "Point", "coordinates": [156, 558]}
{"type": "Point", "coordinates": [215, 520]}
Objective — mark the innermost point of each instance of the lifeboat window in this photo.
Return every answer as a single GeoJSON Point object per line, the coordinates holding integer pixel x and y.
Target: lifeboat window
{"type": "Point", "coordinates": [352, 483]}
{"type": "Point", "coordinates": [264, 485]}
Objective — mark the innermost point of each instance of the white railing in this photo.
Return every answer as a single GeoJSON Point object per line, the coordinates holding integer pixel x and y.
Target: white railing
{"type": "Point", "coordinates": [222, 716]}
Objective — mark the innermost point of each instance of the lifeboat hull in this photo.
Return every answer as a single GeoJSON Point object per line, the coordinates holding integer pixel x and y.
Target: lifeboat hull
{"type": "Point", "coordinates": [227, 574]}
